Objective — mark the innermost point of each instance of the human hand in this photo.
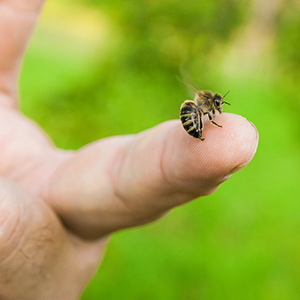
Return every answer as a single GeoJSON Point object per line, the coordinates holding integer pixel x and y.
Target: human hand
{"type": "Point", "coordinates": [57, 207]}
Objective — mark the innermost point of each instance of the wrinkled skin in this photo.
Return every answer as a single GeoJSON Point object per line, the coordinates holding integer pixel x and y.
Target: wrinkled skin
{"type": "Point", "coordinates": [57, 208]}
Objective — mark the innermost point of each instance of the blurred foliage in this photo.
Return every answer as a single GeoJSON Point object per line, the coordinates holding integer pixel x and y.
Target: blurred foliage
{"type": "Point", "coordinates": [164, 34]}
{"type": "Point", "coordinates": [96, 69]}
{"type": "Point", "coordinates": [288, 38]}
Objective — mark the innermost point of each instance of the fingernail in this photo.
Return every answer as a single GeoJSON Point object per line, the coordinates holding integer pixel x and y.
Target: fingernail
{"type": "Point", "coordinates": [237, 168]}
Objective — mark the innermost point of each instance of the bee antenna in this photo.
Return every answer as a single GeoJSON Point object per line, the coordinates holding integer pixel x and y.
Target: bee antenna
{"type": "Point", "coordinates": [226, 102]}
{"type": "Point", "coordinates": [226, 95]}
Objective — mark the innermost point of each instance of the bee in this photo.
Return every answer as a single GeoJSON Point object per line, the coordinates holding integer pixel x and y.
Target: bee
{"type": "Point", "coordinates": [192, 111]}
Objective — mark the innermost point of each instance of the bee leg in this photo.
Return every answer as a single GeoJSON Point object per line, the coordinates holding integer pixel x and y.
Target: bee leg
{"type": "Point", "coordinates": [200, 128]}
{"type": "Point", "coordinates": [211, 120]}
{"type": "Point", "coordinates": [200, 136]}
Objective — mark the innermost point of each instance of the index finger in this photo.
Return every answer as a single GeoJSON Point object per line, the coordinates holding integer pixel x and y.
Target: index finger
{"type": "Point", "coordinates": [128, 181]}
{"type": "Point", "coordinates": [167, 160]}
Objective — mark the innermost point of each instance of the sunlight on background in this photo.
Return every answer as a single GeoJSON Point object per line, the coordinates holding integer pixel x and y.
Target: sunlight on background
{"type": "Point", "coordinates": [101, 68]}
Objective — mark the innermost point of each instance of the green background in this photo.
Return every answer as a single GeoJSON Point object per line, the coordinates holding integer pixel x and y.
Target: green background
{"type": "Point", "coordinates": [101, 68]}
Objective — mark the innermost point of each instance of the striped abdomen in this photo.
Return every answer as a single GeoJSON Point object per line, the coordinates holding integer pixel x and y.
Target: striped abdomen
{"type": "Point", "coordinates": [190, 117]}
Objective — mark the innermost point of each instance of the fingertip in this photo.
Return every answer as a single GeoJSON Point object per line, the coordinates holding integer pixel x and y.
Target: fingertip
{"type": "Point", "coordinates": [164, 166]}
{"type": "Point", "coordinates": [242, 141]}
{"type": "Point", "coordinates": [224, 151]}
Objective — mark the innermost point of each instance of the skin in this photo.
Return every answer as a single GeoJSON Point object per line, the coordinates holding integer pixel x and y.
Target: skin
{"type": "Point", "coordinates": [57, 208]}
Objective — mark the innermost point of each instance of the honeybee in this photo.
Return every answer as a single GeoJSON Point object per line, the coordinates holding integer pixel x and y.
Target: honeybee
{"type": "Point", "coordinates": [192, 111]}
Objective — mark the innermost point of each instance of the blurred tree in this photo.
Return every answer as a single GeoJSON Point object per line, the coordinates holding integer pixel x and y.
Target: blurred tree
{"type": "Point", "coordinates": [171, 32]}
{"type": "Point", "coordinates": [288, 36]}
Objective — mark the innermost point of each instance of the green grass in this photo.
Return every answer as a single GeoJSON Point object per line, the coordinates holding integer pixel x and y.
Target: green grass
{"type": "Point", "coordinates": [243, 241]}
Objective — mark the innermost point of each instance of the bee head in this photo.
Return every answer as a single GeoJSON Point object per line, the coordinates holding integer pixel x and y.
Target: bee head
{"type": "Point", "coordinates": [218, 101]}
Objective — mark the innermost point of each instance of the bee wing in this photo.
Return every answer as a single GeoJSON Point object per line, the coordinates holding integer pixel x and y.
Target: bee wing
{"type": "Point", "coordinates": [190, 85]}
{"type": "Point", "coordinates": [186, 79]}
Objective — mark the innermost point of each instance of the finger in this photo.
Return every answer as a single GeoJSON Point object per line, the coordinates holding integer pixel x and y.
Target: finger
{"type": "Point", "coordinates": [124, 182]}
{"type": "Point", "coordinates": [17, 21]}
{"type": "Point", "coordinates": [184, 166]}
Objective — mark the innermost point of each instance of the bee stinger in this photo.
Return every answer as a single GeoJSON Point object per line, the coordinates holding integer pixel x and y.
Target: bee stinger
{"type": "Point", "coordinates": [192, 111]}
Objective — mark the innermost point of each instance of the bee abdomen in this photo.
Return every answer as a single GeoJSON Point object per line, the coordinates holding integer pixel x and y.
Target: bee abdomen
{"type": "Point", "coordinates": [189, 116]}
